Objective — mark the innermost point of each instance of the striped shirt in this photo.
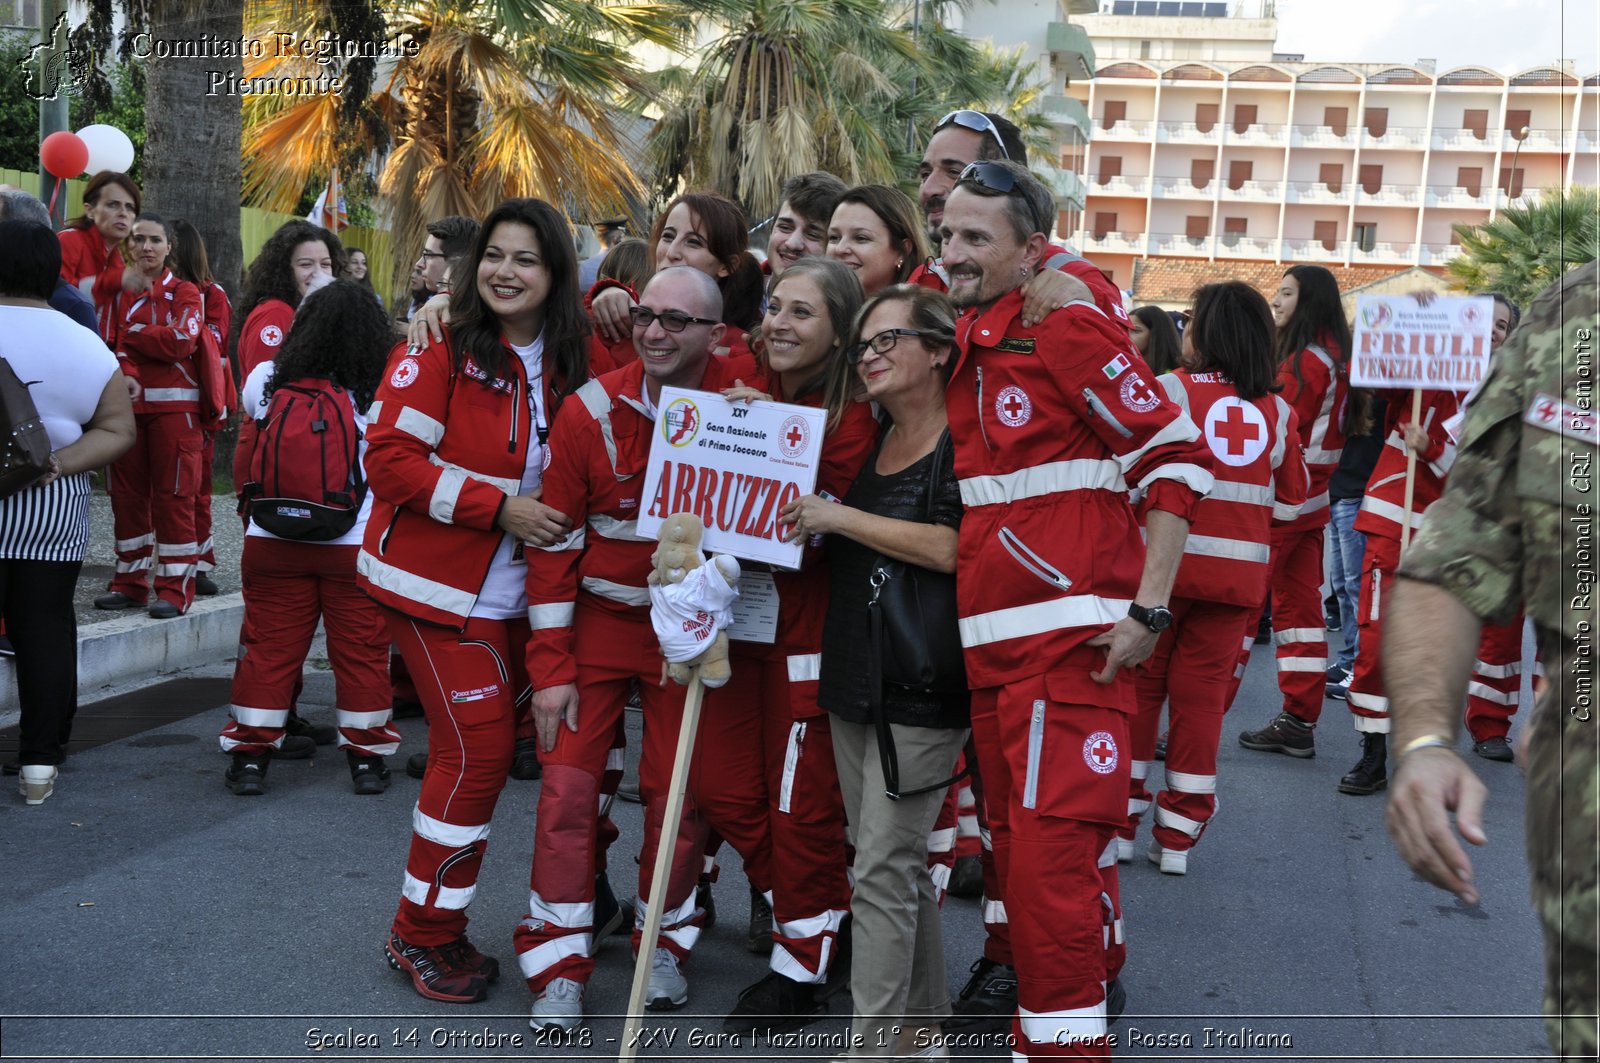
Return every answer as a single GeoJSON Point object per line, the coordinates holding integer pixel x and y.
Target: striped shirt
{"type": "Point", "coordinates": [49, 523]}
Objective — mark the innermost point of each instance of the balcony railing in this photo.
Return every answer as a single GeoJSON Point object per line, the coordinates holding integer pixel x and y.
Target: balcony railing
{"type": "Point", "coordinates": [1536, 140]}
{"type": "Point", "coordinates": [1178, 244]}
{"type": "Point", "coordinates": [1234, 245]}
{"type": "Point", "coordinates": [1312, 251]}
{"type": "Point", "coordinates": [1439, 254]}
{"type": "Point", "coordinates": [1392, 195]}
{"type": "Point", "coordinates": [1187, 133]}
{"type": "Point", "coordinates": [1320, 136]}
{"type": "Point", "coordinates": [1381, 252]}
{"type": "Point", "coordinates": [1124, 129]}
{"type": "Point", "coordinates": [1114, 242]}
{"type": "Point", "coordinates": [1120, 186]}
{"type": "Point", "coordinates": [1396, 137]}
{"type": "Point", "coordinates": [1257, 133]}
{"type": "Point", "coordinates": [1183, 188]}
{"type": "Point", "coordinates": [1259, 190]}
{"type": "Point", "coordinates": [1069, 46]}
{"type": "Point", "coordinates": [1066, 111]}
{"type": "Point", "coordinates": [1317, 192]}
{"type": "Point", "coordinates": [1461, 140]}
{"type": "Point", "coordinates": [1455, 196]}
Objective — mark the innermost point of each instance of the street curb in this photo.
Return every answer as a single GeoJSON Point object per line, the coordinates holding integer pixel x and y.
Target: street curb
{"type": "Point", "coordinates": [134, 651]}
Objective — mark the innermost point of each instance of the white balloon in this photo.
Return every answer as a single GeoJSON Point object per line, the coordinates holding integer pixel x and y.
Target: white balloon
{"type": "Point", "coordinates": [109, 148]}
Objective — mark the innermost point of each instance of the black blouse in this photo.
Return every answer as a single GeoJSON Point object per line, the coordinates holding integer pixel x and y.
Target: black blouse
{"type": "Point", "coordinates": [846, 640]}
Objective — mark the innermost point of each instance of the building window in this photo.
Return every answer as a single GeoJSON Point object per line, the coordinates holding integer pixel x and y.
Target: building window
{"type": "Point", "coordinates": [1144, 49]}
{"type": "Point", "coordinates": [1470, 180]}
{"type": "Point", "coordinates": [1337, 119]}
{"type": "Point", "coordinates": [1201, 171]}
{"type": "Point", "coordinates": [1365, 235]}
{"type": "Point", "coordinates": [1115, 111]}
{"type": "Point", "coordinates": [1331, 174]}
{"type": "Point", "coordinates": [1197, 227]}
{"type": "Point", "coordinates": [1234, 229]}
{"type": "Point", "coordinates": [1476, 122]}
{"type": "Point", "coordinates": [1371, 178]}
{"type": "Point", "coordinates": [1105, 222]}
{"type": "Point", "coordinates": [1244, 116]}
{"type": "Point", "coordinates": [1325, 233]}
{"type": "Point", "coordinates": [1239, 171]}
{"type": "Point", "coordinates": [1205, 117]}
{"type": "Point", "coordinates": [1516, 121]}
{"type": "Point", "coordinates": [1377, 120]}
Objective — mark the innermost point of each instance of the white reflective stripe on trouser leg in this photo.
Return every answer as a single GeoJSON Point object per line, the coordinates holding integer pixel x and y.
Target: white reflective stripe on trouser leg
{"type": "Point", "coordinates": [546, 955]}
{"type": "Point", "coordinates": [994, 911]}
{"type": "Point", "coordinates": [1372, 725]}
{"type": "Point", "coordinates": [1140, 769]}
{"type": "Point", "coordinates": [787, 964]}
{"type": "Point", "coordinates": [452, 834]}
{"type": "Point", "coordinates": [449, 898]}
{"type": "Point", "coordinates": [1061, 1027]}
{"type": "Point", "coordinates": [1303, 664]}
{"type": "Point", "coordinates": [1184, 783]}
{"type": "Point", "coordinates": [1299, 634]}
{"type": "Point", "coordinates": [176, 549]}
{"type": "Point", "coordinates": [569, 914]}
{"type": "Point", "coordinates": [138, 543]}
{"type": "Point", "coordinates": [942, 841]}
{"type": "Point", "coordinates": [1165, 817]}
{"type": "Point", "coordinates": [1109, 856]}
{"type": "Point", "coordinates": [363, 721]}
{"type": "Point", "coordinates": [249, 717]}
{"type": "Point", "coordinates": [1489, 693]}
{"type": "Point", "coordinates": [791, 761]}
{"type": "Point", "coordinates": [1484, 670]}
{"type": "Point", "coordinates": [805, 667]}
{"type": "Point", "coordinates": [672, 923]}
{"type": "Point", "coordinates": [1370, 702]}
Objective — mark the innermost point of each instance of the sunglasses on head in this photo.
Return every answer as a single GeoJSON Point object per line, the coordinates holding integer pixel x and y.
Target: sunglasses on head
{"type": "Point", "coordinates": [990, 175]}
{"type": "Point", "coordinates": [671, 320]}
{"type": "Point", "coordinates": [883, 343]}
{"type": "Point", "coordinates": [976, 121]}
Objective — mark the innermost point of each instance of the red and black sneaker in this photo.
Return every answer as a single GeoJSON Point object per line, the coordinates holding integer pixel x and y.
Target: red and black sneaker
{"type": "Point", "coordinates": [465, 954]}
{"type": "Point", "coordinates": [438, 972]}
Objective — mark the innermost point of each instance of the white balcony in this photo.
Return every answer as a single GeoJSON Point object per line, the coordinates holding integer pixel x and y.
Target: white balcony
{"type": "Point", "coordinates": [1124, 130]}
{"type": "Point", "coordinates": [1317, 192]}
{"type": "Point", "coordinates": [1455, 196]}
{"type": "Point", "coordinates": [1536, 140]}
{"type": "Point", "coordinates": [1182, 188]}
{"type": "Point", "coordinates": [1113, 243]}
{"type": "Point", "coordinates": [1320, 136]}
{"type": "Point", "coordinates": [1258, 191]}
{"type": "Point", "coordinates": [1311, 251]}
{"type": "Point", "coordinates": [1233, 245]}
{"type": "Point", "coordinates": [1460, 140]}
{"type": "Point", "coordinates": [1178, 244]}
{"type": "Point", "coordinates": [1186, 133]}
{"type": "Point", "coordinates": [1119, 186]}
{"type": "Point", "coordinates": [1391, 196]}
{"type": "Point", "coordinates": [1439, 254]}
{"type": "Point", "coordinates": [1066, 112]}
{"type": "Point", "coordinates": [1266, 134]}
{"type": "Point", "coordinates": [1586, 143]}
{"type": "Point", "coordinates": [1382, 253]}
{"type": "Point", "coordinates": [1396, 137]}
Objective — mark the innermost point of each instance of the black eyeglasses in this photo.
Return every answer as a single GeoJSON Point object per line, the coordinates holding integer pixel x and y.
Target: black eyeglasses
{"type": "Point", "coordinates": [976, 121]}
{"type": "Point", "coordinates": [990, 175]}
{"type": "Point", "coordinates": [671, 320]}
{"type": "Point", "coordinates": [883, 342]}
{"type": "Point", "coordinates": [433, 254]}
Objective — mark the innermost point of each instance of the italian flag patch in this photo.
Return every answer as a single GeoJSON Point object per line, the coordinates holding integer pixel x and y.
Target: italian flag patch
{"type": "Point", "coordinates": [1116, 366]}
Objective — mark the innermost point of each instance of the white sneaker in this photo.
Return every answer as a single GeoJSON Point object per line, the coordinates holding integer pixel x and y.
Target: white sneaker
{"type": "Point", "coordinates": [1172, 861]}
{"type": "Point", "coordinates": [668, 987]}
{"type": "Point", "coordinates": [559, 1007]}
{"type": "Point", "coordinates": [35, 782]}
{"type": "Point", "coordinates": [1124, 850]}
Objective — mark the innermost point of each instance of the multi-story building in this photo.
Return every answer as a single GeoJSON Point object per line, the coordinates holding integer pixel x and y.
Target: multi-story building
{"type": "Point", "coordinates": [1207, 145]}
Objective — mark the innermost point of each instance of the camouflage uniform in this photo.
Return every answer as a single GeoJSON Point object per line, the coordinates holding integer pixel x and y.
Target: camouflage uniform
{"type": "Point", "coordinates": [1516, 522]}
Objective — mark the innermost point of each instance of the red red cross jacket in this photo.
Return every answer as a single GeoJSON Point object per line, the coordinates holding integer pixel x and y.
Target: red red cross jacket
{"type": "Point", "coordinates": [155, 340]}
{"type": "Point", "coordinates": [1052, 425]}
{"type": "Point", "coordinates": [1318, 397]}
{"type": "Point", "coordinates": [931, 274]}
{"type": "Point", "coordinates": [218, 314]}
{"type": "Point", "coordinates": [599, 445]}
{"type": "Point", "coordinates": [1384, 504]}
{"type": "Point", "coordinates": [263, 333]}
{"type": "Point", "coordinates": [1260, 478]}
{"type": "Point", "coordinates": [95, 270]}
{"type": "Point", "coordinates": [444, 449]}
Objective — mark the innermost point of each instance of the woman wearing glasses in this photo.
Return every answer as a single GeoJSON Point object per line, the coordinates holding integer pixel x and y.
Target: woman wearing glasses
{"type": "Point", "coordinates": [457, 452]}
{"type": "Point", "coordinates": [904, 506]}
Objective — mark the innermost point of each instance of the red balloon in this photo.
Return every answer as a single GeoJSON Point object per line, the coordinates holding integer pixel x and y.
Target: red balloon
{"type": "Point", "coordinates": [64, 154]}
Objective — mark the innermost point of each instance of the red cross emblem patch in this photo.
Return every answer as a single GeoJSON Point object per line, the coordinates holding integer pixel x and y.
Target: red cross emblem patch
{"type": "Point", "coordinates": [1236, 431]}
{"type": "Point", "coordinates": [405, 373]}
{"type": "Point", "coordinates": [793, 437]}
{"type": "Point", "coordinates": [272, 335]}
{"type": "Point", "coordinates": [1013, 407]}
{"type": "Point", "coordinates": [1100, 753]}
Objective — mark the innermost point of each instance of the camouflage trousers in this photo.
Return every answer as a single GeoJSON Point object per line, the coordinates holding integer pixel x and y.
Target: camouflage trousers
{"type": "Point", "coordinates": [1563, 803]}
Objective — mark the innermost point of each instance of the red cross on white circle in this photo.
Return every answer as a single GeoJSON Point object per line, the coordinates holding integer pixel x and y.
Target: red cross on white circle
{"type": "Point", "coordinates": [1236, 431]}
{"type": "Point", "coordinates": [795, 436]}
{"type": "Point", "coordinates": [1100, 753]}
{"type": "Point", "coordinates": [1103, 753]}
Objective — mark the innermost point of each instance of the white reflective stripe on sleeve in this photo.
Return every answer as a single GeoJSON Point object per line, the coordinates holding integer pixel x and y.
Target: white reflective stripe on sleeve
{"type": "Point", "coordinates": [442, 506]}
{"type": "Point", "coordinates": [1311, 505]}
{"type": "Point", "coordinates": [451, 834]}
{"type": "Point", "coordinates": [612, 528]}
{"type": "Point", "coordinates": [1078, 474]}
{"type": "Point", "coordinates": [171, 395]}
{"type": "Point", "coordinates": [1198, 478]}
{"type": "Point", "coordinates": [414, 588]}
{"type": "Point", "coordinates": [1179, 430]}
{"type": "Point", "coordinates": [453, 898]}
{"type": "Point", "coordinates": [363, 721]}
{"type": "Point", "coordinates": [942, 841]}
{"type": "Point", "coordinates": [1281, 437]}
{"type": "Point", "coordinates": [569, 914]}
{"type": "Point", "coordinates": [1184, 783]}
{"type": "Point", "coordinates": [1489, 693]}
{"type": "Point", "coordinates": [598, 403]}
{"type": "Point", "coordinates": [1303, 664]}
{"type": "Point", "coordinates": [374, 412]}
{"type": "Point", "coordinates": [1062, 1027]}
{"type": "Point", "coordinates": [1318, 456]}
{"type": "Point", "coordinates": [1370, 702]}
{"type": "Point", "coordinates": [505, 483]}
{"type": "Point", "coordinates": [558, 614]}
{"type": "Point", "coordinates": [1299, 634]}
{"type": "Point", "coordinates": [1283, 511]}
{"type": "Point", "coordinates": [616, 592]}
{"type": "Point", "coordinates": [574, 540]}
{"type": "Point", "coordinates": [791, 761]}
{"type": "Point", "coordinates": [542, 957]}
{"type": "Point", "coordinates": [1140, 769]}
{"type": "Point", "coordinates": [1371, 725]}
{"type": "Point", "coordinates": [413, 422]}
{"type": "Point", "coordinates": [414, 889]}
{"type": "Point", "coordinates": [1234, 549]}
{"type": "Point", "coordinates": [176, 549]}
{"type": "Point", "coordinates": [1484, 670]}
{"type": "Point", "coordinates": [805, 667]}
{"type": "Point", "coordinates": [994, 911]}
{"type": "Point", "coordinates": [1390, 511]}
{"type": "Point", "coordinates": [249, 717]}
{"type": "Point", "coordinates": [1171, 820]}
{"type": "Point", "coordinates": [1175, 390]}
{"type": "Point", "coordinates": [1246, 494]}
{"type": "Point", "coordinates": [136, 544]}
{"type": "Point", "coordinates": [1021, 621]}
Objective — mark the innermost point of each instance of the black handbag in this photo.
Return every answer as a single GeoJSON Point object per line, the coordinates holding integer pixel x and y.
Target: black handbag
{"type": "Point", "coordinates": [24, 443]}
{"type": "Point", "coordinates": [916, 641]}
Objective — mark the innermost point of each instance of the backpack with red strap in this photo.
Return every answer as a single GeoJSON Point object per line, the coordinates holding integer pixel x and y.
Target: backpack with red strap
{"type": "Point", "coordinates": [218, 395]}
{"type": "Point", "coordinates": [305, 473]}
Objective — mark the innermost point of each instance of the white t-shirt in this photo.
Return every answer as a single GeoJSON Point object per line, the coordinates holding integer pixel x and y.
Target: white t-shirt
{"type": "Point", "coordinates": [255, 402]}
{"type": "Point", "coordinates": [505, 589]}
{"type": "Point", "coordinates": [66, 365]}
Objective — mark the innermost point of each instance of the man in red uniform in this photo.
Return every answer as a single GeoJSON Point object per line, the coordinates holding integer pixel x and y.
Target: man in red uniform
{"type": "Point", "coordinates": [589, 611]}
{"type": "Point", "coordinates": [1057, 594]}
{"type": "Point", "coordinates": [154, 485]}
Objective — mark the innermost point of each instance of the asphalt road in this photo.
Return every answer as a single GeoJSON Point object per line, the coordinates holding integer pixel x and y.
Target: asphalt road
{"type": "Point", "coordinates": [149, 914]}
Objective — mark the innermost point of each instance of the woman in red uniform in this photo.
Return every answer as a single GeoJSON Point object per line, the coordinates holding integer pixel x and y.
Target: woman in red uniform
{"type": "Point", "coordinates": [91, 246]}
{"type": "Point", "coordinates": [1314, 351]}
{"type": "Point", "coordinates": [1227, 387]}
{"type": "Point", "coordinates": [457, 450]}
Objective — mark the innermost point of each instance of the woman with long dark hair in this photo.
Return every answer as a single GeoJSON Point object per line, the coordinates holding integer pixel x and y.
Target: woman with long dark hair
{"type": "Point", "coordinates": [1156, 337]}
{"type": "Point", "coordinates": [458, 444]}
{"type": "Point", "coordinates": [296, 259]}
{"type": "Point", "coordinates": [1228, 385]}
{"type": "Point", "coordinates": [91, 244]}
{"type": "Point", "coordinates": [341, 336]}
{"type": "Point", "coordinates": [1313, 348]}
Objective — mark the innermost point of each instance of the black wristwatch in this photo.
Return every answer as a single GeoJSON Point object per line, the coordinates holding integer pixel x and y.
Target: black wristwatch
{"type": "Point", "coordinates": [1157, 617]}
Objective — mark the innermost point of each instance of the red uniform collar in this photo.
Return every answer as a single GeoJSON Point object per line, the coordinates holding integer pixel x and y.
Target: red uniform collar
{"type": "Point", "coordinates": [985, 328]}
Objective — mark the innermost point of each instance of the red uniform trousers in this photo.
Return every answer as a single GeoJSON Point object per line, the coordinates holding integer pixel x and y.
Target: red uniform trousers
{"type": "Point", "coordinates": [1192, 670]}
{"type": "Point", "coordinates": [968, 842]}
{"type": "Point", "coordinates": [206, 556]}
{"type": "Point", "coordinates": [1496, 680]}
{"type": "Point", "coordinates": [1369, 707]}
{"type": "Point", "coordinates": [1299, 626]}
{"type": "Point", "coordinates": [153, 491]}
{"type": "Point", "coordinates": [783, 812]}
{"type": "Point", "coordinates": [470, 683]}
{"type": "Point", "coordinates": [942, 839]}
{"type": "Point", "coordinates": [996, 928]}
{"type": "Point", "coordinates": [555, 939]}
{"type": "Point", "coordinates": [287, 586]}
{"type": "Point", "coordinates": [1052, 818]}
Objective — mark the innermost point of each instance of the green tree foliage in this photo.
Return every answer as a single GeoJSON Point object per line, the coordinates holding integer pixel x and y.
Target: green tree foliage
{"type": "Point", "coordinates": [1527, 247]}
{"type": "Point", "coordinates": [19, 113]}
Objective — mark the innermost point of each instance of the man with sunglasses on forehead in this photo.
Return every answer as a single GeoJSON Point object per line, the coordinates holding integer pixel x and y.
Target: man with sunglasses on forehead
{"type": "Point", "coordinates": [589, 610]}
{"type": "Point", "coordinates": [962, 138]}
{"type": "Point", "coordinates": [1058, 596]}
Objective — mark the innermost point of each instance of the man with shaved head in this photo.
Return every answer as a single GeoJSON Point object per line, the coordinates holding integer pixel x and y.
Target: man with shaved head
{"type": "Point", "coordinates": [590, 613]}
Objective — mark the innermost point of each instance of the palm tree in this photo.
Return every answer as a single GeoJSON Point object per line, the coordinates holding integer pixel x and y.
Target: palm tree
{"type": "Point", "coordinates": [1523, 250]}
{"type": "Point", "coordinates": [502, 98]}
{"type": "Point", "coordinates": [795, 85]}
